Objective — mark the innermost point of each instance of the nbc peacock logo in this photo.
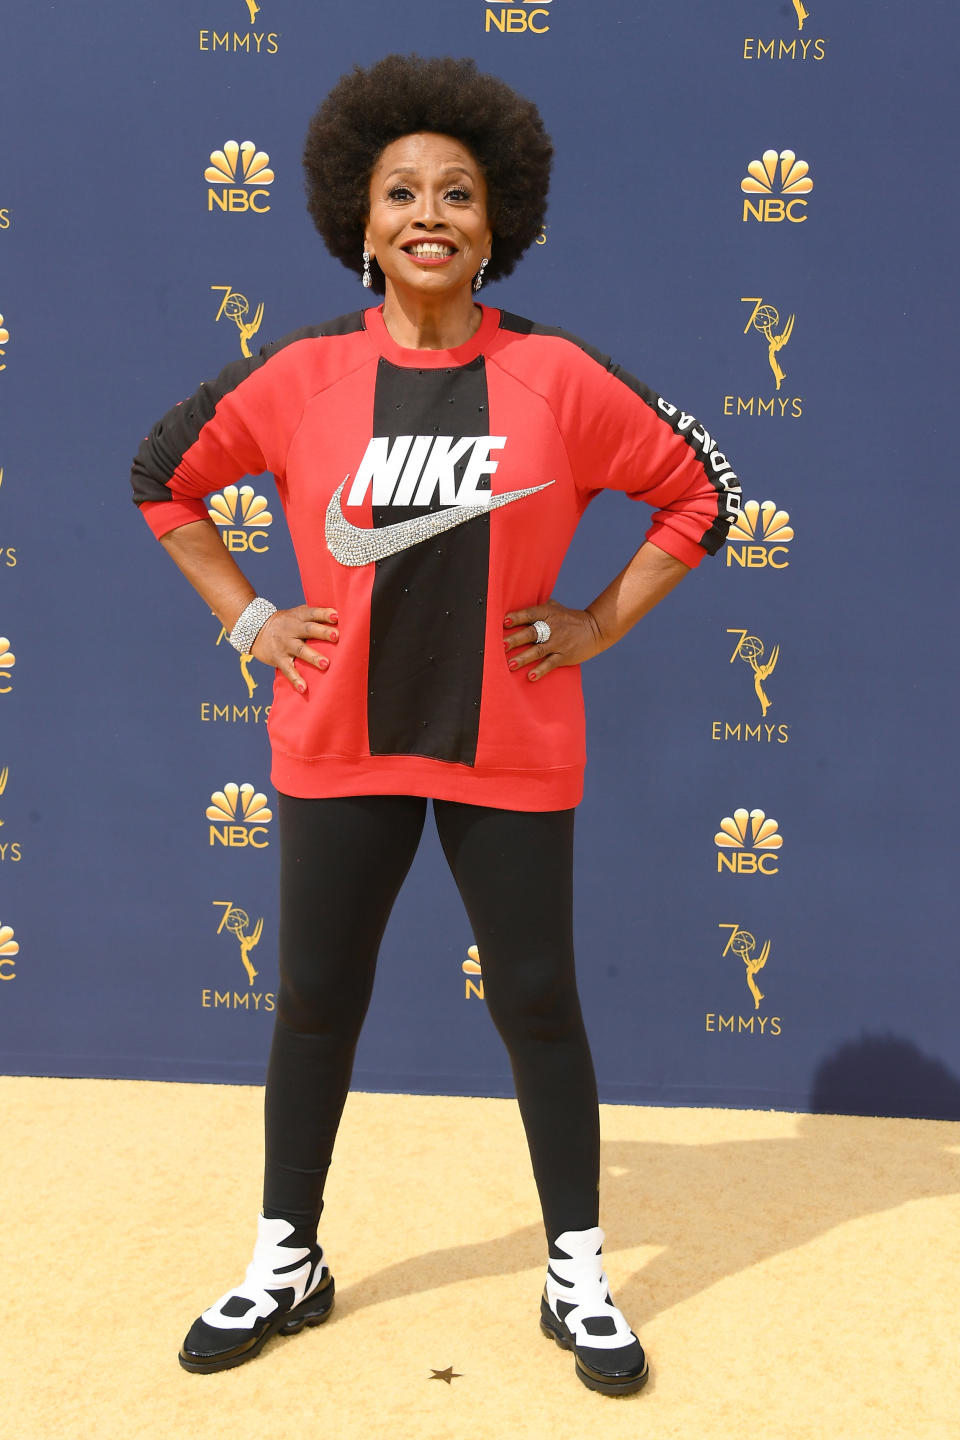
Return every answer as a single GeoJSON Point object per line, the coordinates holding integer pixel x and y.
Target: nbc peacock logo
{"type": "Point", "coordinates": [230, 170]}
{"type": "Point", "coordinates": [7, 662]}
{"type": "Point", "coordinates": [777, 174]}
{"type": "Point", "coordinates": [759, 537]}
{"type": "Point", "coordinates": [748, 843]}
{"type": "Point", "coordinates": [242, 517]}
{"type": "Point", "coordinates": [9, 950]}
{"type": "Point", "coordinates": [473, 983]}
{"type": "Point", "coordinates": [239, 817]}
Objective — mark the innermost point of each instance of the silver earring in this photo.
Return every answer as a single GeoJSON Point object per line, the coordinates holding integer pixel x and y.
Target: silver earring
{"type": "Point", "coordinates": [479, 280]}
{"type": "Point", "coordinates": [367, 277]}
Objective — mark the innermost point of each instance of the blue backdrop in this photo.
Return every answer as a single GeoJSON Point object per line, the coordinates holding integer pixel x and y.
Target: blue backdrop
{"type": "Point", "coordinates": [792, 700]}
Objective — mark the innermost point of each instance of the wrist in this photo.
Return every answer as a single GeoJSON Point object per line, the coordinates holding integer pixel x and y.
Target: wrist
{"type": "Point", "coordinates": [250, 622]}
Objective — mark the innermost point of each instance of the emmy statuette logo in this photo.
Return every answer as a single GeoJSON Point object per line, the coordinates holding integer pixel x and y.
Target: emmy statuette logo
{"type": "Point", "coordinates": [231, 712]}
{"type": "Point", "coordinates": [9, 950]}
{"type": "Point", "coordinates": [518, 17]}
{"type": "Point", "coordinates": [4, 341]}
{"type": "Point", "coordinates": [748, 843]}
{"type": "Point", "coordinates": [751, 650]}
{"type": "Point", "coordinates": [759, 537]}
{"type": "Point", "coordinates": [236, 922]}
{"type": "Point", "coordinates": [234, 167]}
{"type": "Point", "coordinates": [744, 946]}
{"type": "Point", "coordinates": [9, 849]}
{"type": "Point", "coordinates": [239, 817]}
{"type": "Point", "coordinates": [784, 174]}
{"type": "Point", "coordinates": [7, 662]}
{"type": "Point", "coordinates": [764, 320]}
{"type": "Point", "coordinates": [473, 984]}
{"type": "Point", "coordinates": [242, 517]}
{"type": "Point", "coordinates": [799, 47]}
{"type": "Point", "coordinates": [254, 41]}
{"type": "Point", "coordinates": [236, 307]}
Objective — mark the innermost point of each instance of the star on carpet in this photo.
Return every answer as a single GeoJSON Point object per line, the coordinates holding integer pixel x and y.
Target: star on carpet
{"type": "Point", "coordinates": [448, 1374]}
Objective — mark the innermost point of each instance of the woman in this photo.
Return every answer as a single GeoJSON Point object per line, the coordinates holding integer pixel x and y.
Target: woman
{"type": "Point", "coordinates": [433, 457]}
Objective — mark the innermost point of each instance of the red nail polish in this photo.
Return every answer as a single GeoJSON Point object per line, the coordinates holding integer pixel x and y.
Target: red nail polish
{"type": "Point", "coordinates": [334, 619]}
{"type": "Point", "coordinates": [324, 663]}
{"type": "Point", "coordinates": [301, 687]}
{"type": "Point", "coordinates": [513, 665]}
{"type": "Point", "coordinates": [507, 623]}
{"type": "Point", "coordinates": [533, 676]}
{"type": "Point", "coordinates": [506, 644]}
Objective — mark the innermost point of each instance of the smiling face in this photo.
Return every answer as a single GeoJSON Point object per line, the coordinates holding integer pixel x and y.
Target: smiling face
{"type": "Point", "coordinates": [428, 227]}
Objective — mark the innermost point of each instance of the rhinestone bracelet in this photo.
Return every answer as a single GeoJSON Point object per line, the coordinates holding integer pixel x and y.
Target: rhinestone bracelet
{"type": "Point", "coordinates": [250, 623]}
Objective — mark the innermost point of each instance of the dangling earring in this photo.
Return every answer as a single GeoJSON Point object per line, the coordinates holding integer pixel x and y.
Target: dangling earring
{"type": "Point", "coordinates": [479, 280]}
{"type": "Point", "coordinates": [367, 277]}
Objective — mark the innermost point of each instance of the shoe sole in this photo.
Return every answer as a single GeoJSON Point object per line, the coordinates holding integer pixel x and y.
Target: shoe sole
{"type": "Point", "coordinates": [308, 1313]}
{"type": "Point", "coordinates": [627, 1386]}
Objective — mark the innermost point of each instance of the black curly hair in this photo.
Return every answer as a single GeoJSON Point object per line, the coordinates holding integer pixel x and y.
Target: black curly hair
{"type": "Point", "coordinates": [402, 95]}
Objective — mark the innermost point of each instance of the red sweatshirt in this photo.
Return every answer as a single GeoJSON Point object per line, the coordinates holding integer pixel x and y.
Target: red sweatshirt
{"type": "Point", "coordinates": [427, 493]}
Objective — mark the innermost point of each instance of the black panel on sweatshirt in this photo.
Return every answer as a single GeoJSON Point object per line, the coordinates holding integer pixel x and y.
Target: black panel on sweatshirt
{"type": "Point", "coordinates": [429, 605]}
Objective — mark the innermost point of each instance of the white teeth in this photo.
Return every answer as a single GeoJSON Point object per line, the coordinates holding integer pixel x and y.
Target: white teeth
{"type": "Point", "coordinates": [427, 250]}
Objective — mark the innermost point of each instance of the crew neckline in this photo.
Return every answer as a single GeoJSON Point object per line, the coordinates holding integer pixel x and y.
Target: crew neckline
{"type": "Point", "coordinates": [430, 359]}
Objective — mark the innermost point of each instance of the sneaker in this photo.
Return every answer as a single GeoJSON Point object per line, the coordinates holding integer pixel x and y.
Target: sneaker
{"type": "Point", "coordinates": [286, 1287]}
{"type": "Point", "coordinates": [577, 1312]}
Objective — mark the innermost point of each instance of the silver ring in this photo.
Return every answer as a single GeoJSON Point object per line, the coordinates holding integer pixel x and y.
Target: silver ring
{"type": "Point", "coordinates": [543, 631]}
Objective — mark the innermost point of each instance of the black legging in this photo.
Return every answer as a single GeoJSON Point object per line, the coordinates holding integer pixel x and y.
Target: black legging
{"type": "Point", "coordinates": [342, 864]}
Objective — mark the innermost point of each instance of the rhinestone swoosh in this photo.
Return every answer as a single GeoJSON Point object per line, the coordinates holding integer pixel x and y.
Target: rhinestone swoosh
{"type": "Point", "coordinates": [352, 545]}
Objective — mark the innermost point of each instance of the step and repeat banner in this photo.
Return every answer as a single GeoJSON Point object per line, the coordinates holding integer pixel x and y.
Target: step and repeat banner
{"type": "Point", "coordinates": [750, 212]}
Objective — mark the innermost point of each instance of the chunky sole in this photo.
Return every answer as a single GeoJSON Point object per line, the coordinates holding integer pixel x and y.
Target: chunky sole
{"type": "Point", "coordinates": [627, 1385]}
{"type": "Point", "coordinates": [312, 1311]}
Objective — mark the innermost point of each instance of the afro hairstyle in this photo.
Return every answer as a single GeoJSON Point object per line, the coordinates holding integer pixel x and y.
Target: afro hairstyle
{"type": "Point", "coordinates": [404, 95]}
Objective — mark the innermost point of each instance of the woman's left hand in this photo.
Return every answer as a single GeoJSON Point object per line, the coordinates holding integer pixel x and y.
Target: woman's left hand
{"type": "Point", "coordinates": [574, 637]}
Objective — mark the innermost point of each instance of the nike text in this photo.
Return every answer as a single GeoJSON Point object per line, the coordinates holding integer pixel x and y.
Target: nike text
{"type": "Point", "coordinates": [413, 469]}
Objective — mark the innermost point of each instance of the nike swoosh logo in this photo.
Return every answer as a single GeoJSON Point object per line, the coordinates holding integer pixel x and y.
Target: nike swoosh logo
{"type": "Point", "coordinates": [353, 545]}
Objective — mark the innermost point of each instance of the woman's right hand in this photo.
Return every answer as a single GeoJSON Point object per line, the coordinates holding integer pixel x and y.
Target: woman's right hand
{"type": "Point", "coordinates": [282, 641]}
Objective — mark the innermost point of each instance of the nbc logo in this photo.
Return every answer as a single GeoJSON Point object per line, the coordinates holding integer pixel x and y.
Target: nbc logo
{"type": "Point", "coordinates": [783, 172]}
{"type": "Point", "coordinates": [751, 839]}
{"type": "Point", "coordinates": [473, 985]}
{"type": "Point", "coordinates": [7, 662]}
{"type": "Point", "coordinates": [235, 166]}
{"type": "Point", "coordinates": [239, 817]}
{"type": "Point", "coordinates": [764, 533]}
{"type": "Point", "coordinates": [8, 950]}
{"type": "Point", "coordinates": [522, 17]}
{"type": "Point", "coordinates": [4, 338]}
{"type": "Point", "coordinates": [233, 509]}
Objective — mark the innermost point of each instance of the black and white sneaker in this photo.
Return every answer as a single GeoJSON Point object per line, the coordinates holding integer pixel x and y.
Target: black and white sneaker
{"type": "Point", "coordinates": [286, 1287]}
{"type": "Point", "coordinates": [577, 1312]}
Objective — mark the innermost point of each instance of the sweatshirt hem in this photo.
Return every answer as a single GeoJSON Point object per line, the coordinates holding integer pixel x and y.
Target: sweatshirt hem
{"type": "Point", "coordinates": [502, 789]}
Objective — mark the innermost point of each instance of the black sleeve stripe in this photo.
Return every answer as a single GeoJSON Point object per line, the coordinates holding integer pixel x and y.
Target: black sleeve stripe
{"type": "Point", "coordinates": [170, 439]}
{"type": "Point", "coordinates": [716, 467]}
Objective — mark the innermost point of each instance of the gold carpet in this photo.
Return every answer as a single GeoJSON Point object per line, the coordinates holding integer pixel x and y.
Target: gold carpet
{"type": "Point", "coordinates": [791, 1276]}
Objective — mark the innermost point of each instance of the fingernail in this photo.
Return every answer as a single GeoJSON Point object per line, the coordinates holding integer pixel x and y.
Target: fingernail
{"type": "Point", "coordinates": [324, 663]}
{"type": "Point", "coordinates": [334, 618]}
{"type": "Point", "coordinates": [507, 623]}
{"type": "Point", "coordinates": [533, 676]}
{"type": "Point", "coordinates": [512, 665]}
{"type": "Point", "coordinates": [301, 687]}
{"type": "Point", "coordinates": [506, 644]}
{"type": "Point", "coordinates": [334, 637]}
